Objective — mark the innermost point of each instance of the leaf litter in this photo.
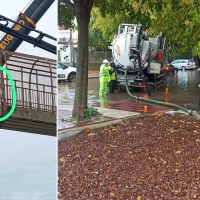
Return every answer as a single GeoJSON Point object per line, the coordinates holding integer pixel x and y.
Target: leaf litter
{"type": "Point", "coordinates": [149, 163]}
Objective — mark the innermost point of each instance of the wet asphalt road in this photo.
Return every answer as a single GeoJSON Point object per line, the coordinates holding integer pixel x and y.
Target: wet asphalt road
{"type": "Point", "coordinates": [181, 89]}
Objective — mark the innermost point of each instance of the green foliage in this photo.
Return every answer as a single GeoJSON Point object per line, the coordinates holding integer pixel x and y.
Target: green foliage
{"type": "Point", "coordinates": [72, 120]}
{"type": "Point", "coordinates": [96, 40]}
{"type": "Point", "coordinates": [107, 23]}
{"type": "Point", "coordinates": [66, 16]}
{"type": "Point", "coordinates": [91, 112]}
{"type": "Point", "coordinates": [177, 54]}
{"type": "Point", "coordinates": [179, 20]}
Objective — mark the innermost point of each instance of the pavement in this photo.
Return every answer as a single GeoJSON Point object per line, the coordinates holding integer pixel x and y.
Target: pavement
{"type": "Point", "coordinates": [115, 112]}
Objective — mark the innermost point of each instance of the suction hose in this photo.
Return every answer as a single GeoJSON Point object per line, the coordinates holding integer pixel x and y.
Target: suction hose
{"type": "Point", "coordinates": [191, 112]}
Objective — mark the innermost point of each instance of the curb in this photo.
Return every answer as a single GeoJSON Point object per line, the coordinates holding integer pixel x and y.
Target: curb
{"type": "Point", "coordinates": [65, 134]}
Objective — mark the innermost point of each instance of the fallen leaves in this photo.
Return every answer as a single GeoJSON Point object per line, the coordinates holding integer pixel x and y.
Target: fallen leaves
{"type": "Point", "coordinates": [62, 160]}
{"type": "Point", "coordinates": [178, 152]}
{"type": "Point", "coordinates": [112, 194]}
{"type": "Point", "coordinates": [140, 158]}
{"type": "Point", "coordinates": [139, 123]}
{"type": "Point", "coordinates": [154, 159]}
{"type": "Point", "coordinates": [138, 197]}
{"type": "Point", "coordinates": [113, 146]}
{"type": "Point", "coordinates": [91, 134]}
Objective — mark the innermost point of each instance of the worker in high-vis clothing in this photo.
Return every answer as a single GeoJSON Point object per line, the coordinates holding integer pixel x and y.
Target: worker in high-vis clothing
{"type": "Point", "coordinates": [113, 77]}
{"type": "Point", "coordinates": [104, 77]}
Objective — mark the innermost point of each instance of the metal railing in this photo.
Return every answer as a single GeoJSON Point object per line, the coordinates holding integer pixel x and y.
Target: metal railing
{"type": "Point", "coordinates": [32, 99]}
{"type": "Point", "coordinates": [35, 81]}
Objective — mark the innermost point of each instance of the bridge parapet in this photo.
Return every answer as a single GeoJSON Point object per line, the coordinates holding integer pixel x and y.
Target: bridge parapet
{"type": "Point", "coordinates": [36, 86]}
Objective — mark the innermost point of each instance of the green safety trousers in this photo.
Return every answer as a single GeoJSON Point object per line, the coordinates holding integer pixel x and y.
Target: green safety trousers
{"type": "Point", "coordinates": [103, 88]}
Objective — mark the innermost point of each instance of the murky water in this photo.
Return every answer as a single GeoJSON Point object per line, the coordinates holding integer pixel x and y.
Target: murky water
{"type": "Point", "coordinates": [181, 89]}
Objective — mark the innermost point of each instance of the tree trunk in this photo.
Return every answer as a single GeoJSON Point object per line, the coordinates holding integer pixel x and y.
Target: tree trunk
{"type": "Point", "coordinates": [83, 10]}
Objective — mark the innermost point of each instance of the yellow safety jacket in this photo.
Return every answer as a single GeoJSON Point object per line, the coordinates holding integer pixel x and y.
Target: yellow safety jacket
{"type": "Point", "coordinates": [113, 76]}
{"type": "Point", "coordinates": [104, 75]}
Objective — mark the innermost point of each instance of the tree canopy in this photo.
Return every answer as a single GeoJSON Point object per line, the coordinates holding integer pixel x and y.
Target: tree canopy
{"type": "Point", "coordinates": [66, 15]}
{"type": "Point", "coordinates": [177, 19]}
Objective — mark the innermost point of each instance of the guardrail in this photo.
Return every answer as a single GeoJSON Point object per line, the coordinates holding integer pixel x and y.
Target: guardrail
{"type": "Point", "coordinates": [35, 80]}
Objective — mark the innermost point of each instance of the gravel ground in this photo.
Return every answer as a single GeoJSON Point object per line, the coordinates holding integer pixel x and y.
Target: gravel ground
{"type": "Point", "coordinates": [155, 157]}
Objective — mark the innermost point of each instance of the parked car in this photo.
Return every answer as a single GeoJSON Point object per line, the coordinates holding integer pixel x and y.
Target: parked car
{"type": "Point", "coordinates": [66, 73]}
{"type": "Point", "coordinates": [184, 64]}
{"type": "Point", "coordinates": [170, 69]}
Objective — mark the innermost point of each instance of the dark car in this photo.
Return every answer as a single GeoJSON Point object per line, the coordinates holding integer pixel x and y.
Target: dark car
{"type": "Point", "coordinates": [170, 69]}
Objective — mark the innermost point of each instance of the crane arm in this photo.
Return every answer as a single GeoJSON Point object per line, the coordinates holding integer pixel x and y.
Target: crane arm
{"type": "Point", "coordinates": [35, 41]}
{"type": "Point", "coordinates": [29, 18]}
{"type": "Point", "coordinates": [24, 37]}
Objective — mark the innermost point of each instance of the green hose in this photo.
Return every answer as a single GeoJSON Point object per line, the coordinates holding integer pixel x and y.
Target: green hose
{"type": "Point", "coordinates": [159, 102]}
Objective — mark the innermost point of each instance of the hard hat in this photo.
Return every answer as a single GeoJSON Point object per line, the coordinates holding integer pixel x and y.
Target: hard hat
{"type": "Point", "coordinates": [112, 62]}
{"type": "Point", "coordinates": [105, 62]}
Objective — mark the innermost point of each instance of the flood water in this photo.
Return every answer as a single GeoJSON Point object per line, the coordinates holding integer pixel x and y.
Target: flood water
{"type": "Point", "coordinates": [180, 89]}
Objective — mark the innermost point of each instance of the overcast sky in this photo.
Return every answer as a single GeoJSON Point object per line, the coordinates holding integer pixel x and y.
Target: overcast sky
{"type": "Point", "coordinates": [27, 166]}
{"type": "Point", "coordinates": [28, 161]}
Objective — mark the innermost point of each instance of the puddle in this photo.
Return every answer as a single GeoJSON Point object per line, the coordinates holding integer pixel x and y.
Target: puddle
{"type": "Point", "coordinates": [181, 90]}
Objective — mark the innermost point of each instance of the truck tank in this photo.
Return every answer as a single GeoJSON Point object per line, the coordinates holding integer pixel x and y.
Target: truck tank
{"type": "Point", "coordinates": [140, 54]}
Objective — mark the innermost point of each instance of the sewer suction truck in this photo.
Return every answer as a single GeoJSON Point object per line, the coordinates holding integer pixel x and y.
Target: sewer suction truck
{"type": "Point", "coordinates": [142, 56]}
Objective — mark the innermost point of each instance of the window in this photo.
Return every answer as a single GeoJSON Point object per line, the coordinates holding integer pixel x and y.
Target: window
{"type": "Point", "coordinates": [59, 65]}
{"type": "Point", "coordinates": [182, 61]}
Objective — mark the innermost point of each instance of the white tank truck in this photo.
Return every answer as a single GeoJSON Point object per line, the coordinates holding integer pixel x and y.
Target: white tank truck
{"type": "Point", "coordinates": [143, 59]}
{"type": "Point", "coordinates": [142, 56]}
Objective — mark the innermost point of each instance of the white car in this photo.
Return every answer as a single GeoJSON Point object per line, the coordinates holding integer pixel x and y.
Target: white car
{"type": "Point", "coordinates": [66, 73]}
{"type": "Point", "coordinates": [184, 64]}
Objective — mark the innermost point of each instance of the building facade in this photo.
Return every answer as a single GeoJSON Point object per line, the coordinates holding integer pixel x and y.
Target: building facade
{"type": "Point", "coordinates": [67, 41]}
